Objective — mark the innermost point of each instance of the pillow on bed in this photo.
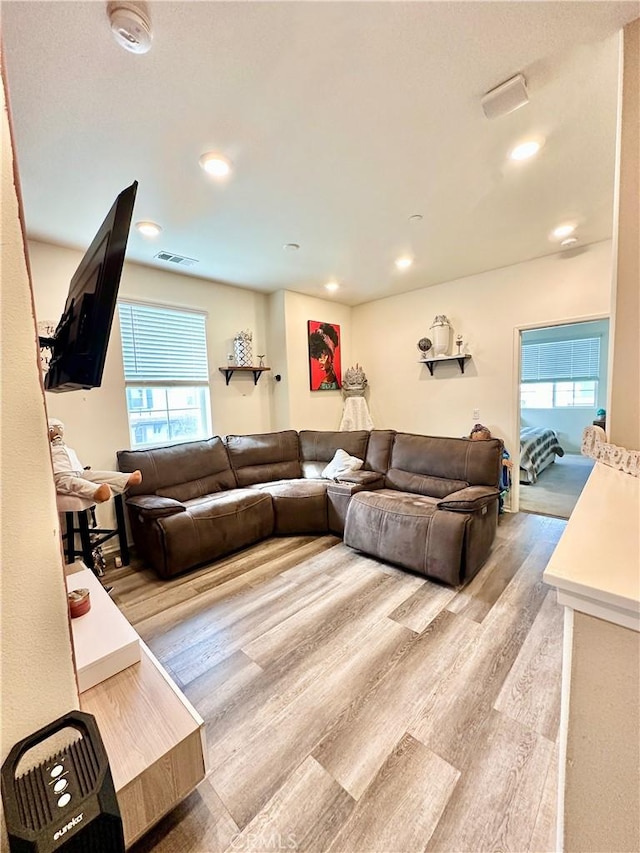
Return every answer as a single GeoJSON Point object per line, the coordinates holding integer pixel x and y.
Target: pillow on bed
{"type": "Point", "coordinates": [342, 463]}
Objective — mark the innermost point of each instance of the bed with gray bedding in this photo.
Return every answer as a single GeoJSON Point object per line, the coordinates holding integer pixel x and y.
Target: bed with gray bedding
{"type": "Point", "coordinates": [539, 447]}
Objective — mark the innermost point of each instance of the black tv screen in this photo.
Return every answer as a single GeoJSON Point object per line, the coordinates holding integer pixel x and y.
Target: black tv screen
{"type": "Point", "coordinates": [79, 346]}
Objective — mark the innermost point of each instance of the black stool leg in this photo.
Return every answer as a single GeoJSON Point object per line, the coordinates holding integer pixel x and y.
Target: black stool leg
{"type": "Point", "coordinates": [69, 537]}
{"type": "Point", "coordinates": [122, 530]}
{"type": "Point", "coordinates": [87, 551]}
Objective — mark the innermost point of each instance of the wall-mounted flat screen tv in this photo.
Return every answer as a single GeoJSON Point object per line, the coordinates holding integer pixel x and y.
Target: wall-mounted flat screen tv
{"type": "Point", "coordinates": [79, 345]}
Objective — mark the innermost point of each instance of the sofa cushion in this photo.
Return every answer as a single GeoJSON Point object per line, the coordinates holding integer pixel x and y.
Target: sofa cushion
{"type": "Point", "coordinates": [342, 463]}
{"type": "Point", "coordinates": [264, 457]}
{"type": "Point", "coordinates": [421, 484]}
{"type": "Point", "coordinates": [318, 447]}
{"type": "Point", "coordinates": [436, 466]}
{"type": "Point", "coordinates": [211, 527]}
{"type": "Point", "coordinates": [181, 471]}
{"type": "Point", "coordinates": [313, 470]}
{"type": "Point", "coordinates": [378, 455]}
{"type": "Point", "coordinates": [299, 506]}
{"type": "Point", "coordinates": [407, 530]}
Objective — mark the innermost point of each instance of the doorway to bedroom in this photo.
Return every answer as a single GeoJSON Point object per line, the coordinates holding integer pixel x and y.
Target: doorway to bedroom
{"type": "Point", "coordinates": [563, 389]}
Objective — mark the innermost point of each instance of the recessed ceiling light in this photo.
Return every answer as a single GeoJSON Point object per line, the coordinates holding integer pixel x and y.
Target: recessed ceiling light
{"type": "Point", "coordinates": [332, 286]}
{"type": "Point", "coordinates": [415, 217]}
{"type": "Point", "coordinates": [404, 262]}
{"type": "Point", "coordinates": [525, 150]}
{"type": "Point", "coordinates": [563, 231]}
{"type": "Point", "coordinates": [291, 247]}
{"type": "Point", "coordinates": [569, 241]}
{"type": "Point", "coordinates": [149, 229]}
{"type": "Point", "coordinates": [216, 165]}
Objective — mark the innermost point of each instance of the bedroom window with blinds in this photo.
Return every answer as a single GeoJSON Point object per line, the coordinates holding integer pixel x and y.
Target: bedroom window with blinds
{"type": "Point", "coordinates": [560, 374]}
{"type": "Point", "coordinates": [166, 374]}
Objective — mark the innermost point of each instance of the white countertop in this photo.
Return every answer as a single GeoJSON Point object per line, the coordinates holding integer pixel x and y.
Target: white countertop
{"type": "Point", "coordinates": [104, 643]}
{"type": "Point", "coordinates": [596, 564]}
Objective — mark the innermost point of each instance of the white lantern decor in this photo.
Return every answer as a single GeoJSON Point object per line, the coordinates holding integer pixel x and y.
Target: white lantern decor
{"type": "Point", "coordinates": [243, 350]}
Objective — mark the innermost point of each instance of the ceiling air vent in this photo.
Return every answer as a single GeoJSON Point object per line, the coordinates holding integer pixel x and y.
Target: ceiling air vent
{"type": "Point", "coordinates": [180, 260]}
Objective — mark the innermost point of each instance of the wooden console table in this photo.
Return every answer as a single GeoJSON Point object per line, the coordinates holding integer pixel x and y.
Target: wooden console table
{"type": "Point", "coordinates": [153, 736]}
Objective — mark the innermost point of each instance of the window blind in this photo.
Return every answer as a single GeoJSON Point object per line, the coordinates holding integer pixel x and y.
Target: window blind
{"type": "Point", "coordinates": [163, 344]}
{"type": "Point", "coordinates": [561, 361]}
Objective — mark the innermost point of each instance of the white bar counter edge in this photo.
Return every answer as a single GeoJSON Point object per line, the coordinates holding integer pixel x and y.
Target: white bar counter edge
{"type": "Point", "coordinates": [596, 564]}
{"type": "Point", "coordinates": [104, 642]}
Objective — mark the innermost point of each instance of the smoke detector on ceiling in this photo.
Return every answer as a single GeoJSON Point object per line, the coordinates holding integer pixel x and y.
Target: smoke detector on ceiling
{"type": "Point", "coordinates": [130, 25]}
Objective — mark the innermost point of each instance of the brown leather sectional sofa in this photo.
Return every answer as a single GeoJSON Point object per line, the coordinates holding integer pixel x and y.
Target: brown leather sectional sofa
{"type": "Point", "coordinates": [426, 503]}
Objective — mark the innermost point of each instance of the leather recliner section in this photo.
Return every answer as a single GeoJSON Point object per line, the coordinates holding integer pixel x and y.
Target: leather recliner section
{"type": "Point", "coordinates": [426, 503]}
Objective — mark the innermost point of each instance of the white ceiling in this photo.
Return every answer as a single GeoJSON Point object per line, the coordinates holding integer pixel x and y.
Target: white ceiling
{"type": "Point", "coordinates": [342, 120]}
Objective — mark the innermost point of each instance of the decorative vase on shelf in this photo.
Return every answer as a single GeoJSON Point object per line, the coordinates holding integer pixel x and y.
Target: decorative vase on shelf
{"type": "Point", "coordinates": [441, 334]}
{"type": "Point", "coordinates": [242, 349]}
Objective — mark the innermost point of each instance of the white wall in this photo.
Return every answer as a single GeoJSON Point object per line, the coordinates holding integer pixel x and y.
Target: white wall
{"type": "Point", "coordinates": [381, 335]}
{"type": "Point", "coordinates": [277, 359]}
{"type": "Point", "coordinates": [623, 424]}
{"type": "Point", "coordinates": [96, 420]}
{"type": "Point", "coordinates": [486, 309]}
{"type": "Point", "coordinates": [312, 409]}
{"type": "Point", "coordinates": [37, 678]}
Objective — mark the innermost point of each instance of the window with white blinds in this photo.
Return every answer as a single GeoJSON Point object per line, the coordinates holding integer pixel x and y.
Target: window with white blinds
{"type": "Point", "coordinates": [561, 361]}
{"type": "Point", "coordinates": [166, 373]}
{"type": "Point", "coordinates": [560, 374]}
{"type": "Point", "coordinates": [163, 344]}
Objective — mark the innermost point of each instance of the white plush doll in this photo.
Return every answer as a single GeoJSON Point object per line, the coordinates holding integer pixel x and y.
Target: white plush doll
{"type": "Point", "coordinates": [72, 479]}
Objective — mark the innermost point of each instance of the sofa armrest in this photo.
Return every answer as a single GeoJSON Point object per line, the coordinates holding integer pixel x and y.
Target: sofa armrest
{"type": "Point", "coordinates": [470, 499]}
{"type": "Point", "coordinates": [338, 488]}
{"type": "Point", "coordinates": [369, 479]}
{"type": "Point", "coordinates": [154, 506]}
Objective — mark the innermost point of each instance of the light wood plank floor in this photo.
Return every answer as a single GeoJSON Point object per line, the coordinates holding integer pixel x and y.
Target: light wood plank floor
{"type": "Point", "coordinates": [352, 706]}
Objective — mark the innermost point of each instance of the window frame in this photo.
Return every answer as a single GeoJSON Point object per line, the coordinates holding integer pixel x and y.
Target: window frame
{"type": "Point", "coordinates": [554, 392]}
{"type": "Point", "coordinates": [202, 386]}
{"type": "Point", "coordinates": [561, 361]}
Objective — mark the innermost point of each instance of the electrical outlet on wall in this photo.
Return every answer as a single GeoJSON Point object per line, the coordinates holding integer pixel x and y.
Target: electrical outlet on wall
{"type": "Point", "coordinates": [476, 414]}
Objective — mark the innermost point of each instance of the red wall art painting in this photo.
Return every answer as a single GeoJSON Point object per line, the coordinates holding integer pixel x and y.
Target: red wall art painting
{"type": "Point", "coordinates": [325, 372]}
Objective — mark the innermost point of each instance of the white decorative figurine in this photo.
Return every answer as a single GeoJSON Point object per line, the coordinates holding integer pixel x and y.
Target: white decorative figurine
{"type": "Point", "coordinates": [595, 445]}
{"type": "Point", "coordinates": [72, 479]}
{"type": "Point", "coordinates": [355, 414]}
{"type": "Point", "coordinates": [354, 382]}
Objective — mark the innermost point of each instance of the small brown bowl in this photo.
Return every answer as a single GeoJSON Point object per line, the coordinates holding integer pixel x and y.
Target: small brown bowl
{"type": "Point", "coordinates": [79, 602]}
